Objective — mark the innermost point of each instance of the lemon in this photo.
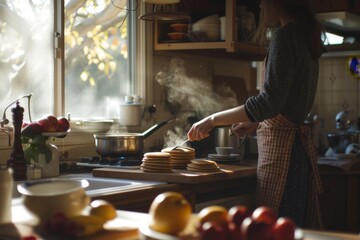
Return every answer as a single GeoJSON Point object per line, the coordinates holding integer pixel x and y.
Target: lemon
{"type": "Point", "coordinates": [216, 214]}
{"type": "Point", "coordinates": [102, 209]}
{"type": "Point", "coordinates": [170, 212]}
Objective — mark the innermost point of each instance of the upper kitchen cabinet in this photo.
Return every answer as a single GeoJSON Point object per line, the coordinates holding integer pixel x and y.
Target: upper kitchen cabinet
{"type": "Point", "coordinates": [340, 17]}
{"type": "Point", "coordinates": [220, 38]}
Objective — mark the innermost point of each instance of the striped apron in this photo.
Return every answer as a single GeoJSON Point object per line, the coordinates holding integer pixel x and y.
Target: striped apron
{"type": "Point", "coordinates": [275, 141]}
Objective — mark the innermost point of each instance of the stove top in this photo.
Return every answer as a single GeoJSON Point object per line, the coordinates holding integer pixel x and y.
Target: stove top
{"type": "Point", "coordinates": [130, 162]}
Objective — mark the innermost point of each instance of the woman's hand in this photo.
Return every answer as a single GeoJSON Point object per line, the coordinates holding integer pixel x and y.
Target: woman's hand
{"type": "Point", "coordinates": [244, 128]}
{"type": "Point", "coordinates": [201, 129]}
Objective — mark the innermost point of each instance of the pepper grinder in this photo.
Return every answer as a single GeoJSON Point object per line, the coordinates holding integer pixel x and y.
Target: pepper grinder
{"type": "Point", "coordinates": [17, 160]}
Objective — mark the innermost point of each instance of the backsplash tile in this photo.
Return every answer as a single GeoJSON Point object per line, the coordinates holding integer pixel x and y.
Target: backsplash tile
{"type": "Point", "coordinates": [337, 90]}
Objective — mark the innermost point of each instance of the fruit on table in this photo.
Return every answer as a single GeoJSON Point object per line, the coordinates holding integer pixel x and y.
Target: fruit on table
{"type": "Point", "coordinates": [239, 223]}
{"type": "Point", "coordinates": [75, 226]}
{"type": "Point", "coordinates": [215, 214]}
{"type": "Point", "coordinates": [212, 231]}
{"type": "Point", "coordinates": [255, 230]}
{"type": "Point", "coordinates": [237, 214]}
{"type": "Point", "coordinates": [284, 228]}
{"type": "Point", "coordinates": [170, 212]}
{"type": "Point", "coordinates": [87, 224]}
{"type": "Point", "coordinates": [102, 209]}
{"type": "Point", "coordinates": [264, 214]}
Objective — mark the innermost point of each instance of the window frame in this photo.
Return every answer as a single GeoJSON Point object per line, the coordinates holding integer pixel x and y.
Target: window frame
{"type": "Point", "coordinates": [140, 66]}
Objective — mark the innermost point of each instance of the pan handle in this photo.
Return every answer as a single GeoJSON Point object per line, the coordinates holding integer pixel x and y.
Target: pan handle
{"type": "Point", "coordinates": [151, 130]}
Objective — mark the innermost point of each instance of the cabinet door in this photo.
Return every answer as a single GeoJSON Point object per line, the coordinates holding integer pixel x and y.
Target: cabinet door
{"type": "Point", "coordinates": [319, 6]}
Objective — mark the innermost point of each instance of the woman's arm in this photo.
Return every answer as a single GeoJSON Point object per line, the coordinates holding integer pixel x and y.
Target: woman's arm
{"type": "Point", "coordinates": [202, 128]}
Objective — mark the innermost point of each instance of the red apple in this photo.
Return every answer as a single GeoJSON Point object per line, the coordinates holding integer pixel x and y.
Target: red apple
{"type": "Point", "coordinates": [53, 120]}
{"type": "Point", "coordinates": [45, 125]}
{"type": "Point", "coordinates": [237, 214]}
{"type": "Point", "coordinates": [31, 130]}
{"type": "Point", "coordinates": [63, 124]}
{"type": "Point", "coordinates": [35, 127]}
{"type": "Point", "coordinates": [284, 229]}
{"type": "Point", "coordinates": [233, 232]}
{"type": "Point", "coordinates": [24, 124]}
{"type": "Point", "coordinates": [264, 214]}
{"type": "Point", "coordinates": [212, 231]}
{"type": "Point", "coordinates": [254, 230]}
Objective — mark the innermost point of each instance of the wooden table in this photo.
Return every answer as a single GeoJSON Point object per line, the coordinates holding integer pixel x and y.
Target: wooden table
{"type": "Point", "coordinates": [24, 225]}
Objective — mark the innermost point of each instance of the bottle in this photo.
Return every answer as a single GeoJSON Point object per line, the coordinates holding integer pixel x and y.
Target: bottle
{"type": "Point", "coordinates": [6, 190]}
{"type": "Point", "coordinates": [17, 159]}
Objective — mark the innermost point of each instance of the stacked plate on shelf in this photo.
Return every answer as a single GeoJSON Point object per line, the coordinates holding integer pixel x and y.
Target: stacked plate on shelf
{"type": "Point", "coordinates": [179, 32]}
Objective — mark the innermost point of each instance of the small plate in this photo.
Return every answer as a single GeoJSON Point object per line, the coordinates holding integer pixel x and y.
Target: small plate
{"type": "Point", "coordinates": [148, 234]}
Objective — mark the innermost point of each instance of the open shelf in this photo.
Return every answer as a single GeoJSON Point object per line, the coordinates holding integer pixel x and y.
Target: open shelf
{"type": "Point", "coordinates": [230, 48]}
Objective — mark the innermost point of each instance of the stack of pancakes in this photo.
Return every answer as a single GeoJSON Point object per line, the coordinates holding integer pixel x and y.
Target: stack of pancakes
{"type": "Point", "coordinates": [202, 165]}
{"type": "Point", "coordinates": [180, 156]}
{"type": "Point", "coordinates": [156, 162]}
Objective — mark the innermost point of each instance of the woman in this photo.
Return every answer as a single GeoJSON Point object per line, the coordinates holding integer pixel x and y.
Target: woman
{"type": "Point", "coordinates": [287, 175]}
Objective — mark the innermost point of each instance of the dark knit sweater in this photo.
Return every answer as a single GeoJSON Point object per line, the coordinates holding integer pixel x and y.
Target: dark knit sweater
{"type": "Point", "coordinates": [290, 79]}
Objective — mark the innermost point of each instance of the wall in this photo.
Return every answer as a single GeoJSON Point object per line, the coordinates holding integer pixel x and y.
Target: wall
{"type": "Point", "coordinates": [336, 87]}
{"type": "Point", "coordinates": [337, 90]}
{"type": "Point", "coordinates": [194, 88]}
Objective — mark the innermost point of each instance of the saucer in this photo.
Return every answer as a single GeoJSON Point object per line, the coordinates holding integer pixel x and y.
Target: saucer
{"type": "Point", "coordinates": [223, 157]}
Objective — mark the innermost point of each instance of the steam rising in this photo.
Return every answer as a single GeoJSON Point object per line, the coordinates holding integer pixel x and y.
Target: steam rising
{"type": "Point", "coordinates": [195, 98]}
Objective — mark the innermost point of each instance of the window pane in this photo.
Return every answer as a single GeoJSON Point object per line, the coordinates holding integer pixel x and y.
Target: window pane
{"type": "Point", "coordinates": [26, 55]}
{"type": "Point", "coordinates": [96, 56]}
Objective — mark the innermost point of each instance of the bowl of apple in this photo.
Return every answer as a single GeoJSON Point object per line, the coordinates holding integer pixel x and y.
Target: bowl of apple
{"type": "Point", "coordinates": [47, 126]}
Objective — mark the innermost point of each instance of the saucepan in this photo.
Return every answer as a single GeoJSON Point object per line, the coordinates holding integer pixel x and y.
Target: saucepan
{"type": "Point", "coordinates": [124, 144]}
{"type": "Point", "coordinates": [223, 137]}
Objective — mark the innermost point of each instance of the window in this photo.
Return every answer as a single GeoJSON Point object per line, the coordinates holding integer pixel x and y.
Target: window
{"type": "Point", "coordinates": [98, 51]}
{"type": "Point", "coordinates": [98, 55]}
{"type": "Point", "coordinates": [26, 54]}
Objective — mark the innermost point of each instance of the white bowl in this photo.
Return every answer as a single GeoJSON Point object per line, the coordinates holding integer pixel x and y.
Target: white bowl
{"type": "Point", "coordinates": [91, 125]}
{"type": "Point", "coordinates": [46, 197]}
{"type": "Point", "coordinates": [206, 32]}
{"type": "Point", "coordinates": [211, 19]}
{"type": "Point", "coordinates": [225, 151]}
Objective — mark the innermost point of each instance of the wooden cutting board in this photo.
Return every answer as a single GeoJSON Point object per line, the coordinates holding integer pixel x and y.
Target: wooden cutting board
{"type": "Point", "coordinates": [178, 175]}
